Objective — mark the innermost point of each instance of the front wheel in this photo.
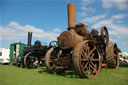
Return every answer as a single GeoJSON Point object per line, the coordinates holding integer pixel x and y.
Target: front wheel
{"type": "Point", "coordinates": [86, 60]}
{"type": "Point", "coordinates": [30, 61]}
{"type": "Point", "coordinates": [50, 58]}
{"type": "Point", "coordinates": [48, 61]}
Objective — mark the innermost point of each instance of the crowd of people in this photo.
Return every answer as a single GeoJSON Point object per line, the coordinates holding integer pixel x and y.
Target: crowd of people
{"type": "Point", "coordinates": [123, 57]}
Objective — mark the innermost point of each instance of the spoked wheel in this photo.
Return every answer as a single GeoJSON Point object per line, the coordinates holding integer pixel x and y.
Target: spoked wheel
{"type": "Point", "coordinates": [86, 60]}
{"type": "Point", "coordinates": [112, 56]}
{"type": "Point", "coordinates": [53, 44]}
{"type": "Point", "coordinates": [104, 35]}
{"type": "Point", "coordinates": [50, 55]}
{"type": "Point", "coordinates": [30, 61]}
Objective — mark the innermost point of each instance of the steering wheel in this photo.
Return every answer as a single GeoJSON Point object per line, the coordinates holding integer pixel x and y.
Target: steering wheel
{"type": "Point", "coordinates": [53, 44]}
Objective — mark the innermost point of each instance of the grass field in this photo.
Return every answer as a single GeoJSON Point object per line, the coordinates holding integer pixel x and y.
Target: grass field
{"type": "Point", "coordinates": [11, 75]}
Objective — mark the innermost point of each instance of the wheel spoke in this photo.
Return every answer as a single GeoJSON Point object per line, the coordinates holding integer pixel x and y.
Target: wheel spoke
{"type": "Point", "coordinates": [50, 61]}
{"type": "Point", "coordinates": [95, 71]}
{"type": "Point", "coordinates": [88, 69]}
{"type": "Point", "coordinates": [95, 59]}
{"type": "Point", "coordinates": [88, 49]}
{"type": "Point", "coordinates": [92, 55]}
{"type": "Point", "coordinates": [83, 53]}
{"type": "Point", "coordinates": [82, 65]}
{"type": "Point", "coordinates": [85, 66]}
{"type": "Point", "coordinates": [93, 68]}
{"type": "Point", "coordinates": [83, 59]}
{"type": "Point", "coordinates": [93, 65]}
{"type": "Point", "coordinates": [92, 51]}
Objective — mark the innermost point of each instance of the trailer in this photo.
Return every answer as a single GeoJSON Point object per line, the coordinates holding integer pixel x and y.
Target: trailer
{"type": "Point", "coordinates": [4, 55]}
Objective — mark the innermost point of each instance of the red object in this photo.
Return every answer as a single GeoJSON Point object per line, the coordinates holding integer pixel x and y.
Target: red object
{"type": "Point", "coordinates": [104, 65]}
{"type": "Point", "coordinates": [14, 57]}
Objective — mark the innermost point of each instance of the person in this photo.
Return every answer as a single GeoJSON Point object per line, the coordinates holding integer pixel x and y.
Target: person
{"type": "Point", "coordinates": [82, 29]}
{"type": "Point", "coordinates": [14, 56]}
{"type": "Point", "coordinates": [94, 32]}
{"type": "Point", "coordinates": [37, 43]}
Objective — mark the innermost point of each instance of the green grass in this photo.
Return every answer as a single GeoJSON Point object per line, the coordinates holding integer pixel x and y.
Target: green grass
{"type": "Point", "coordinates": [11, 75]}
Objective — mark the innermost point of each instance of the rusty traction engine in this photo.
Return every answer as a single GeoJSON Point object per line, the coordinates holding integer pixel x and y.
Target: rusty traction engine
{"type": "Point", "coordinates": [82, 50]}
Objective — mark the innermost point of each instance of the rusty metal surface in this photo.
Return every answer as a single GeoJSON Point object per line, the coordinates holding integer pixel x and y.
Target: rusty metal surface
{"type": "Point", "coordinates": [86, 60]}
{"type": "Point", "coordinates": [54, 61]}
{"type": "Point", "coordinates": [112, 56]}
{"type": "Point", "coordinates": [82, 50]}
{"type": "Point", "coordinates": [62, 61]}
{"type": "Point", "coordinates": [68, 40]}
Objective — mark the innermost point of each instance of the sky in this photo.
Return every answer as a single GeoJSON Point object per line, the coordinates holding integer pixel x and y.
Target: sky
{"type": "Point", "coordinates": [48, 18]}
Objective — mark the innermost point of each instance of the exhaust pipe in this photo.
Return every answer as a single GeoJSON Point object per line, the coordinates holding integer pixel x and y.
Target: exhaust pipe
{"type": "Point", "coordinates": [29, 38]}
{"type": "Point", "coordinates": [71, 15]}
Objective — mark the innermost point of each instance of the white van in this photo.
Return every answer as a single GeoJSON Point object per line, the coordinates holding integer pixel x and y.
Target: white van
{"type": "Point", "coordinates": [4, 55]}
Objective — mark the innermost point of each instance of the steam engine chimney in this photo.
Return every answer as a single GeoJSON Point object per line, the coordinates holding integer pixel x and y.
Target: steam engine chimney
{"type": "Point", "coordinates": [29, 38]}
{"type": "Point", "coordinates": [69, 39]}
{"type": "Point", "coordinates": [71, 15]}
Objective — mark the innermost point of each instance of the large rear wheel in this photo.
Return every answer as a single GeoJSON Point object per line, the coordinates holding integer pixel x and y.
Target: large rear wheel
{"type": "Point", "coordinates": [112, 56]}
{"type": "Point", "coordinates": [86, 59]}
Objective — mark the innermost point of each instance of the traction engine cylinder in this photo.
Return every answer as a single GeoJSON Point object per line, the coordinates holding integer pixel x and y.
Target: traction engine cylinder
{"type": "Point", "coordinates": [69, 39]}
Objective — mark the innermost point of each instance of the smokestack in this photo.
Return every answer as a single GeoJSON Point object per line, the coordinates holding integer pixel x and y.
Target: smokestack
{"type": "Point", "coordinates": [71, 15]}
{"type": "Point", "coordinates": [29, 38]}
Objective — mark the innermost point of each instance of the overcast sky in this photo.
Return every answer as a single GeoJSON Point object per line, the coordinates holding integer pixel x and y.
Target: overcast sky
{"type": "Point", "coordinates": [48, 18]}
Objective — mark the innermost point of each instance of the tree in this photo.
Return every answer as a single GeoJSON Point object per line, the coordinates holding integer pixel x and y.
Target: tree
{"type": "Point", "coordinates": [119, 50]}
